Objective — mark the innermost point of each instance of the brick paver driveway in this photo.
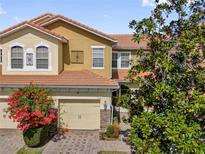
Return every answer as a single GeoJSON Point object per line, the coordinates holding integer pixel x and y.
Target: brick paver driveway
{"type": "Point", "coordinates": [83, 142]}
{"type": "Point", "coordinates": [10, 141]}
{"type": "Point", "coordinates": [73, 142]}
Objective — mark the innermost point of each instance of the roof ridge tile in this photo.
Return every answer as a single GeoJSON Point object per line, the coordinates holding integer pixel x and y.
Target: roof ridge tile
{"type": "Point", "coordinates": [41, 16]}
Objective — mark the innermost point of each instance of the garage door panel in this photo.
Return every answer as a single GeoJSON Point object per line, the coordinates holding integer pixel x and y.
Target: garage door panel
{"type": "Point", "coordinates": [80, 115]}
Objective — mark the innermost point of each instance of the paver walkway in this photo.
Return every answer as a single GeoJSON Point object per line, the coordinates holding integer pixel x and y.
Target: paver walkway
{"type": "Point", "coordinates": [73, 142]}
{"type": "Point", "coordinates": [83, 142]}
{"type": "Point", "coordinates": [10, 141]}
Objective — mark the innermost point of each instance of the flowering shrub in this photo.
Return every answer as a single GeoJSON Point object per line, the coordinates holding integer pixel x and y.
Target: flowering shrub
{"type": "Point", "coordinates": [30, 107]}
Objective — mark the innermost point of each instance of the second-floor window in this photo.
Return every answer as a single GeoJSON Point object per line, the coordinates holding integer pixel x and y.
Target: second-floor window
{"type": "Point", "coordinates": [125, 60]}
{"type": "Point", "coordinates": [121, 60]}
{"type": "Point", "coordinates": [17, 57]}
{"type": "Point", "coordinates": [98, 57]}
{"type": "Point", "coordinates": [1, 56]}
{"type": "Point", "coordinates": [114, 60]}
{"type": "Point", "coordinates": [42, 57]}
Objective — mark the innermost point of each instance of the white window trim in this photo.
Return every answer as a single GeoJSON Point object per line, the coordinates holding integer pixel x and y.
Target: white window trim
{"type": "Point", "coordinates": [49, 56]}
{"type": "Point", "coordinates": [119, 60]}
{"type": "Point", "coordinates": [42, 44]}
{"type": "Point", "coordinates": [99, 68]}
{"type": "Point", "coordinates": [9, 56]}
{"type": "Point", "coordinates": [1, 55]}
{"type": "Point", "coordinates": [94, 46]}
{"type": "Point", "coordinates": [29, 50]}
{"type": "Point", "coordinates": [16, 44]}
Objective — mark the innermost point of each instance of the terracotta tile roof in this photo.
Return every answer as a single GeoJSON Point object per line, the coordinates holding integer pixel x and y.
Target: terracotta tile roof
{"type": "Point", "coordinates": [12, 27]}
{"type": "Point", "coordinates": [41, 18]}
{"type": "Point", "coordinates": [80, 25]}
{"type": "Point", "coordinates": [47, 20]}
{"type": "Point", "coordinates": [120, 75]}
{"type": "Point", "coordinates": [28, 23]}
{"type": "Point", "coordinates": [125, 42]}
{"type": "Point", "coordinates": [66, 78]}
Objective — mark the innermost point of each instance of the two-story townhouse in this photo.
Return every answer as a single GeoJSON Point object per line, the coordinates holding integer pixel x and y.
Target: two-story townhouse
{"type": "Point", "coordinates": [81, 67]}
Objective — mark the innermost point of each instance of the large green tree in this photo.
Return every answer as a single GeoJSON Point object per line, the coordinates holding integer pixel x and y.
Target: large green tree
{"type": "Point", "coordinates": [167, 110]}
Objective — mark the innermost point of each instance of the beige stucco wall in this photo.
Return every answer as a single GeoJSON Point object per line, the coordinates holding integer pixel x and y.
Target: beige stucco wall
{"type": "Point", "coordinates": [29, 38]}
{"type": "Point", "coordinates": [104, 97]}
{"type": "Point", "coordinates": [82, 40]}
{"type": "Point", "coordinates": [60, 57]}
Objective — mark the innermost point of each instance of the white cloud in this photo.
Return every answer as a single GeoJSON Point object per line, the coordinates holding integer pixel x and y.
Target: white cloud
{"type": "Point", "coordinates": [2, 11]}
{"type": "Point", "coordinates": [147, 3]}
{"type": "Point", "coordinates": [17, 19]}
{"type": "Point", "coordinates": [107, 16]}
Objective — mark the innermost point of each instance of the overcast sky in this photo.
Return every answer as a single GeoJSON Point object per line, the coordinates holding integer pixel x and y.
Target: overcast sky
{"type": "Point", "coordinates": [109, 16]}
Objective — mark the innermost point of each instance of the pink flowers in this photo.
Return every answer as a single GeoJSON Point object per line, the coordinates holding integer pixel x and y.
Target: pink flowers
{"type": "Point", "coordinates": [30, 107]}
{"type": "Point", "coordinates": [37, 113]}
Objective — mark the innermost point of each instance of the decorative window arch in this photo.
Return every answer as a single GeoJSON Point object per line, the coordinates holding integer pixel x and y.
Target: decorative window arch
{"type": "Point", "coordinates": [42, 44]}
{"type": "Point", "coordinates": [42, 57]}
{"type": "Point", "coordinates": [17, 44]}
{"type": "Point", "coordinates": [17, 57]}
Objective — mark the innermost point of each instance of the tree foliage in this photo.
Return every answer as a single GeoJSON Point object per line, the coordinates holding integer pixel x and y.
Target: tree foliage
{"type": "Point", "coordinates": [168, 107]}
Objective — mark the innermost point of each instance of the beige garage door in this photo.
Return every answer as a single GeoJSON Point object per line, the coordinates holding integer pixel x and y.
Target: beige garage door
{"type": "Point", "coordinates": [80, 114]}
{"type": "Point", "coordinates": [5, 122]}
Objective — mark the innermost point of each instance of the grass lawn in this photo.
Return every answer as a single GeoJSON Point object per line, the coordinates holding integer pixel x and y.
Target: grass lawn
{"type": "Point", "coordinates": [111, 152]}
{"type": "Point", "coordinates": [27, 150]}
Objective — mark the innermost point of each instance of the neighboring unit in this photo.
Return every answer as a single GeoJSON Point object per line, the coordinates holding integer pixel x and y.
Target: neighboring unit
{"type": "Point", "coordinates": [81, 66]}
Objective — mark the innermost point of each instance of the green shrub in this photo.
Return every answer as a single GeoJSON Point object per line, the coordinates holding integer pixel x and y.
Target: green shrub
{"type": "Point", "coordinates": [110, 131]}
{"type": "Point", "coordinates": [113, 131]}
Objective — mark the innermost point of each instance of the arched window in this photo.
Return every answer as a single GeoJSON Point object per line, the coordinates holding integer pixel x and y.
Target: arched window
{"type": "Point", "coordinates": [17, 57]}
{"type": "Point", "coordinates": [42, 57]}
